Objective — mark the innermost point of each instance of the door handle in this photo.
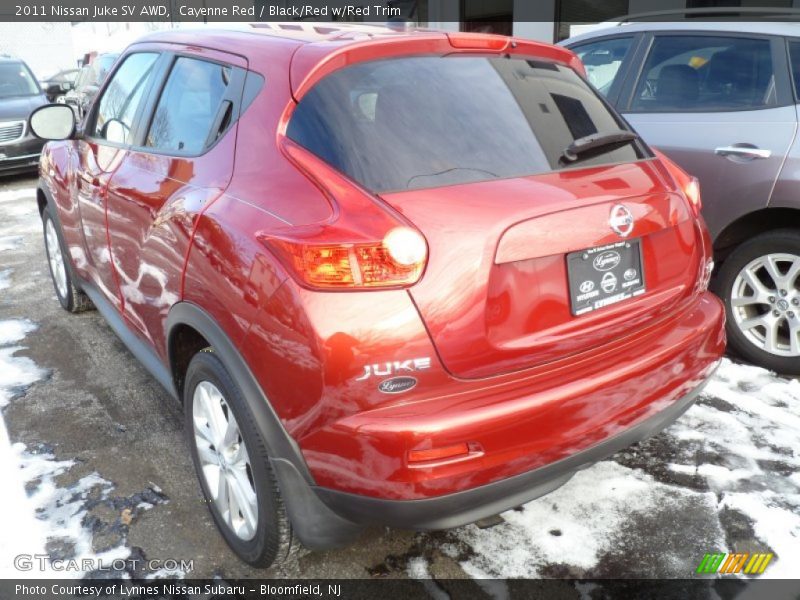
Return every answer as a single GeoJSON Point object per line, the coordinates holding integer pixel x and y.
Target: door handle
{"type": "Point", "coordinates": [750, 152]}
{"type": "Point", "coordinates": [88, 181]}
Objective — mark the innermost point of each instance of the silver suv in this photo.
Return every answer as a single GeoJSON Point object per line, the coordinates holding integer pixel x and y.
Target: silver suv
{"type": "Point", "coordinates": [721, 100]}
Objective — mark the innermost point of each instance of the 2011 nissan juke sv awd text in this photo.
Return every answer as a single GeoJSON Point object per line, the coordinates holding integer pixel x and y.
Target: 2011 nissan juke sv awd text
{"type": "Point", "coordinates": [407, 278]}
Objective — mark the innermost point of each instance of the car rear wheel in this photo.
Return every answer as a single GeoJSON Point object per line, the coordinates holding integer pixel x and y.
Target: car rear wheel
{"type": "Point", "coordinates": [69, 296]}
{"type": "Point", "coordinates": [760, 285]}
{"type": "Point", "coordinates": [233, 466]}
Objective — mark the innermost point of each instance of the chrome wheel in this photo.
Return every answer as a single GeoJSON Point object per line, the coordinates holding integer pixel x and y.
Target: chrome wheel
{"type": "Point", "coordinates": [765, 303]}
{"type": "Point", "coordinates": [224, 460]}
{"type": "Point", "coordinates": [56, 259]}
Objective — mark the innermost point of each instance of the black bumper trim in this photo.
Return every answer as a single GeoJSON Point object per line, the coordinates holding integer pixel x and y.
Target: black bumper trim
{"type": "Point", "coordinates": [461, 508]}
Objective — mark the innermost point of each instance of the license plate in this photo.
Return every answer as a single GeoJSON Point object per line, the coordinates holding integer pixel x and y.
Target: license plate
{"type": "Point", "coordinates": [599, 277]}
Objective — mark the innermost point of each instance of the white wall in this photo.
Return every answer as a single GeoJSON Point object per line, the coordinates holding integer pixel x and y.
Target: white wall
{"type": "Point", "coordinates": [46, 47]}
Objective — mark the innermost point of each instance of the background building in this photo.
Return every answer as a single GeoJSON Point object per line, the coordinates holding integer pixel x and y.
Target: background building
{"type": "Point", "coordinates": [46, 47]}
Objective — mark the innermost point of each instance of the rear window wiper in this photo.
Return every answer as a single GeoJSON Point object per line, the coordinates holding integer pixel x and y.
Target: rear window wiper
{"type": "Point", "coordinates": [596, 140]}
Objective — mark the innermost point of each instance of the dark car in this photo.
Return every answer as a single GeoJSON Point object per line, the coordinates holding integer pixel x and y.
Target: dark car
{"type": "Point", "coordinates": [59, 83]}
{"type": "Point", "coordinates": [20, 95]}
{"type": "Point", "coordinates": [409, 279]}
{"type": "Point", "coordinates": [721, 100]}
{"type": "Point", "coordinates": [89, 80]}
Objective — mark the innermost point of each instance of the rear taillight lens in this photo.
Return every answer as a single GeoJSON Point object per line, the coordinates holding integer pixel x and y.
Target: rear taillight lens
{"type": "Point", "coordinates": [689, 185]}
{"type": "Point", "coordinates": [397, 260]}
{"type": "Point", "coordinates": [692, 191]}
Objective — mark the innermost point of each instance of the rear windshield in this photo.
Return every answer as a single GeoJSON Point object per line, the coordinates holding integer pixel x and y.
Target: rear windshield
{"type": "Point", "coordinates": [418, 122]}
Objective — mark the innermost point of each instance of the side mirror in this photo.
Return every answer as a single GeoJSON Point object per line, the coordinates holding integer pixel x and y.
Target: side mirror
{"type": "Point", "coordinates": [67, 86]}
{"type": "Point", "coordinates": [53, 122]}
{"type": "Point", "coordinates": [116, 131]}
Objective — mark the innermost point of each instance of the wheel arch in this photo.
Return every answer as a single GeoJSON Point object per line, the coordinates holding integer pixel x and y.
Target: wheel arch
{"type": "Point", "coordinates": [316, 525]}
{"type": "Point", "coordinates": [42, 200]}
{"type": "Point", "coordinates": [752, 224]}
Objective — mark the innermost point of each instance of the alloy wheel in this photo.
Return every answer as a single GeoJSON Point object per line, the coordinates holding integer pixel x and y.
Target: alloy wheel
{"type": "Point", "coordinates": [56, 259]}
{"type": "Point", "coordinates": [224, 460]}
{"type": "Point", "coordinates": [765, 303]}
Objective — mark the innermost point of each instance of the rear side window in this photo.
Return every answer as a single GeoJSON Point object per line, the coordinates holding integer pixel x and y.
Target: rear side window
{"type": "Point", "coordinates": [189, 106]}
{"type": "Point", "coordinates": [794, 52]}
{"type": "Point", "coordinates": [603, 60]}
{"type": "Point", "coordinates": [422, 122]}
{"type": "Point", "coordinates": [706, 73]}
{"type": "Point", "coordinates": [122, 97]}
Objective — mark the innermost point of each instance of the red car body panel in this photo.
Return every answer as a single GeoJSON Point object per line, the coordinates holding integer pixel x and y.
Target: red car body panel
{"type": "Point", "coordinates": [512, 373]}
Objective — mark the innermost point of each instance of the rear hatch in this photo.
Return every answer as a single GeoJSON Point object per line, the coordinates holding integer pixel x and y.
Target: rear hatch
{"type": "Point", "coordinates": [550, 230]}
{"type": "Point", "coordinates": [496, 295]}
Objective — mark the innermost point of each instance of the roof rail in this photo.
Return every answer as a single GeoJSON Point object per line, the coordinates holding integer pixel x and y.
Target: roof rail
{"type": "Point", "coordinates": [714, 11]}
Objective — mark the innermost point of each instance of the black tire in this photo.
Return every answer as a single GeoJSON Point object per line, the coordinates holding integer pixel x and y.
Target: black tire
{"type": "Point", "coordinates": [71, 298]}
{"type": "Point", "coordinates": [273, 542]}
{"type": "Point", "coordinates": [780, 241]}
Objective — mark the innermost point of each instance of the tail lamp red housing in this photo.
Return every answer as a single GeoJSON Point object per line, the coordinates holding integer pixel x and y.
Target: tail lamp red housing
{"type": "Point", "coordinates": [365, 245]}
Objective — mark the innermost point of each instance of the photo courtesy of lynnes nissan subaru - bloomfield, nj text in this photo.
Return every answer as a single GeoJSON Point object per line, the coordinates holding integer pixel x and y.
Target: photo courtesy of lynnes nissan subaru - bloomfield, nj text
{"type": "Point", "coordinates": [406, 278]}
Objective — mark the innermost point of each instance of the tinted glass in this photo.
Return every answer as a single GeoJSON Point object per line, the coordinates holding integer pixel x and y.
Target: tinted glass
{"type": "Point", "coordinates": [698, 74]}
{"type": "Point", "coordinates": [122, 98]}
{"type": "Point", "coordinates": [16, 80]}
{"type": "Point", "coordinates": [431, 121]}
{"type": "Point", "coordinates": [602, 60]}
{"type": "Point", "coordinates": [189, 106]}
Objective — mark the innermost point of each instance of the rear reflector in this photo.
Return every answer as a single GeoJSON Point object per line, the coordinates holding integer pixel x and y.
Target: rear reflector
{"type": "Point", "coordinates": [445, 452]}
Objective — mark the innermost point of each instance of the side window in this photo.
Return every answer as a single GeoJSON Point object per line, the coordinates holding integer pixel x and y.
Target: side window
{"type": "Point", "coordinates": [603, 60]}
{"type": "Point", "coordinates": [706, 73]}
{"type": "Point", "coordinates": [122, 97]}
{"type": "Point", "coordinates": [794, 54]}
{"type": "Point", "coordinates": [190, 105]}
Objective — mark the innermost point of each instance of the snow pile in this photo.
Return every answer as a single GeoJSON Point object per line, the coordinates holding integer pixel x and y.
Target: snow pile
{"type": "Point", "coordinates": [17, 518]}
{"type": "Point", "coordinates": [56, 515]}
{"type": "Point", "coordinates": [37, 515]}
{"type": "Point", "coordinates": [747, 430]}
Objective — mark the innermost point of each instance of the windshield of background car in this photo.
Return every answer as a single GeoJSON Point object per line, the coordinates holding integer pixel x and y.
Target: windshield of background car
{"type": "Point", "coordinates": [16, 80]}
{"type": "Point", "coordinates": [420, 122]}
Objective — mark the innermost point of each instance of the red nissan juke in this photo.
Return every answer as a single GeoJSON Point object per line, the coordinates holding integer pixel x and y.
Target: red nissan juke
{"type": "Point", "coordinates": [407, 278]}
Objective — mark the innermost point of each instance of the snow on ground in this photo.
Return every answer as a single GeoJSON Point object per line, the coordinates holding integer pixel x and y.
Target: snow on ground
{"type": "Point", "coordinates": [17, 517]}
{"type": "Point", "coordinates": [740, 443]}
{"type": "Point", "coordinates": [17, 194]}
{"type": "Point", "coordinates": [16, 372]}
{"type": "Point", "coordinates": [10, 242]}
{"type": "Point", "coordinates": [38, 515]}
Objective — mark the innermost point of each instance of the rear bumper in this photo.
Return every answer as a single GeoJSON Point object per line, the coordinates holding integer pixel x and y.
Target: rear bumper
{"type": "Point", "coordinates": [521, 422]}
{"type": "Point", "coordinates": [460, 508]}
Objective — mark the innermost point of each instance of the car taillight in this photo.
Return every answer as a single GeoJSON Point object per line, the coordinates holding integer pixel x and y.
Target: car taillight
{"type": "Point", "coordinates": [692, 190]}
{"type": "Point", "coordinates": [397, 260]}
{"type": "Point", "coordinates": [689, 185]}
